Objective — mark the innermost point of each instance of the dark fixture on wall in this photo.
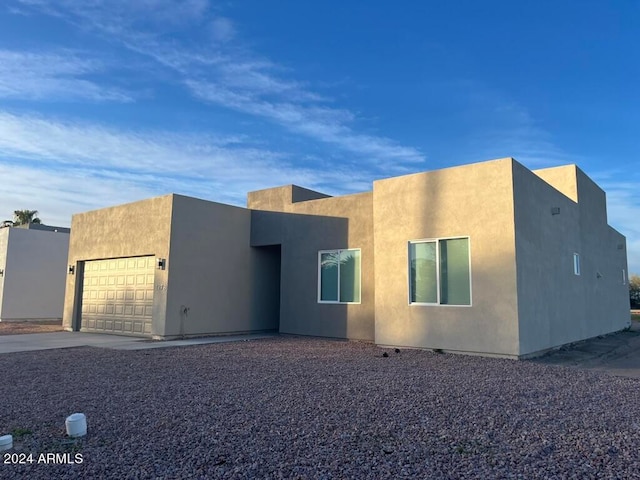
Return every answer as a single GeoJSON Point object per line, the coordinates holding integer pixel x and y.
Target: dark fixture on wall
{"type": "Point", "coordinates": [555, 210]}
{"type": "Point", "coordinates": [1, 272]}
{"type": "Point", "coordinates": [620, 246]}
{"type": "Point", "coordinates": [161, 263]}
{"type": "Point", "coordinates": [72, 269]}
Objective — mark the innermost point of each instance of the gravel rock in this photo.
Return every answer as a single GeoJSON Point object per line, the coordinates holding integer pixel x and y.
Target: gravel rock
{"type": "Point", "coordinates": [308, 408]}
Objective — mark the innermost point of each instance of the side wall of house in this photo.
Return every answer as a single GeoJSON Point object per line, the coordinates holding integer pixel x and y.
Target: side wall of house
{"type": "Point", "coordinates": [34, 274]}
{"type": "Point", "coordinates": [555, 305]}
{"type": "Point", "coordinates": [303, 223]}
{"type": "Point", "coordinates": [4, 242]}
{"type": "Point", "coordinates": [131, 230]}
{"type": "Point", "coordinates": [213, 271]}
{"type": "Point", "coordinates": [474, 201]}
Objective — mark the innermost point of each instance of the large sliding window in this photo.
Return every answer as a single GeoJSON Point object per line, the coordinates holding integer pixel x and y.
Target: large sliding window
{"type": "Point", "coordinates": [339, 276]}
{"type": "Point", "coordinates": [440, 272]}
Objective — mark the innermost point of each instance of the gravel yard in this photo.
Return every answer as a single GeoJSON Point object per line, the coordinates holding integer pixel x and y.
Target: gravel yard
{"type": "Point", "coordinates": [307, 408]}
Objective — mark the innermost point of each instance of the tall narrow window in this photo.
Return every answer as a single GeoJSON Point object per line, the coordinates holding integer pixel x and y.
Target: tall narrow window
{"type": "Point", "coordinates": [424, 272]}
{"type": "Point", "coordinates": [339, 276]}
{"type": "Point", "coordinates": [439, 272]}
{"type": "Point", "coordinates": [329, 262]}
{"type": "Point", "coordinates": [455, 285]}
{"type": "Point", "coordinates": [576, 264]}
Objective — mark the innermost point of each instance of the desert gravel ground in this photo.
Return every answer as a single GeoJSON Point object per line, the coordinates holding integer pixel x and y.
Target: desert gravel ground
{"type": "Point", "coordinates": [308, 408]}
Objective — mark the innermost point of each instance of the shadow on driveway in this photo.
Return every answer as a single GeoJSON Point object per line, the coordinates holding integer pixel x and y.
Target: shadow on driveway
{"type": "Point", "coordinates": [47, 341]}
{"type": "Point", "coordinates": [617, 354]}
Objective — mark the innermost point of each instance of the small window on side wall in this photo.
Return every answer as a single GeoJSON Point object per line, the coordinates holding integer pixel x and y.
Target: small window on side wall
{"type": "Point", "coordinates": [440, 272]}
{"type": "Point", "coordinates": [339, 276]}
{"type": "Point", "coordinates": [576, 264]}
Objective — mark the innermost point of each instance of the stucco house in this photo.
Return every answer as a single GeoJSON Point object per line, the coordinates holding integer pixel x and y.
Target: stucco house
{"type": "Point", "coordinates": [489, 259]}
{"type": "Point", "coordinates": [33, 262]}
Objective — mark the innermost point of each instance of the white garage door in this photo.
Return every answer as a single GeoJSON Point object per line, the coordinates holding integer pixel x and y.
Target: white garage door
{"type": "Point", "coordinates": [117, 295]}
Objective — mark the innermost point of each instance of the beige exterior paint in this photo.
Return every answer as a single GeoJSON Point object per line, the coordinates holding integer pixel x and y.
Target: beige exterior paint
{"type": "Point", "coordinates": [211, 271]}
{"type": "Point", "coordinates": [303, 228]}
{"type": "Point", "coordinates": [33, 262]}
{"type": "Point", "coordinates": [132, 230]}
{"type": "Point", "coordinates": [473, 201]}
{"type": "Point", "coordinates": [231, 269]}
{"type": "Point", "coordinates": [206, 284]}
{"type": "Point", "coordinates": [555, 305]}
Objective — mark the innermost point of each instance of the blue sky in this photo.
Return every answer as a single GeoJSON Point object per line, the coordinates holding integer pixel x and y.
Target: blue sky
{"type": "Point", "coordinates": [106, 102]}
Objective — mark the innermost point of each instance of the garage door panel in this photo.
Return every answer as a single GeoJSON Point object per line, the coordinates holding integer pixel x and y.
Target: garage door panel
{"type": "Point", "coordinates": [117, 295]}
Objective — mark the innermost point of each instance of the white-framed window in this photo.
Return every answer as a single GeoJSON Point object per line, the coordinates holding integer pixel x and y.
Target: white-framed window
{"type": "Point", "coordinates": [339, 276]}
{"type": "Point", "coordinates": [576, 264]}
{"type": "Point", "coordinates": [440, 272]}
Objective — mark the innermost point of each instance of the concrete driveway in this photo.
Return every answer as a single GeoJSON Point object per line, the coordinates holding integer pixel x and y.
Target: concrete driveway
{"type": "Point", "coordinates": [47, 341]}
{"type": "Point", "coordinates": [617, 354]}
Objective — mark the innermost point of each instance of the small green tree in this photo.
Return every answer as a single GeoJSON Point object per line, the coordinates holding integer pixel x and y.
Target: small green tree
{"type": "Point", "coordinates": [634, 291]}
{"type": "Point", "coordinates": [24, 217]}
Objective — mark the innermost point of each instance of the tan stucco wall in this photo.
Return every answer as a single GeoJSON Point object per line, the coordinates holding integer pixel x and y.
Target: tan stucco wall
{"type": "Point", "coordinates": [303, 229]}
{"type": "Point", "coordinates": [562, 178]}
{"type": "Point", "coordinates": [134, 229]}
{"type": "Point", "coordinates": [281, 199]}
{"type": "Point", "coordinates": [212, 271]}
{"type": "Point", "coordinates": [34, 265]}
{"type": "Point", "coordinates": [555, 306]}
{"type": "Point", "coordinates": [222, 272]}
{"type": "Point", "coordinates": [475, 201]}
{"type": "Point", "coordinates": [4, 242]}
{"type": "Point", "coordinates": [575, 184]}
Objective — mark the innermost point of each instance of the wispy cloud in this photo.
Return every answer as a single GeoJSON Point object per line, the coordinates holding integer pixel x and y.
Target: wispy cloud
{"type": "Point", "coordinates": [224, 73]}
{"type": "Point", "coordinates": [506, 128]}
{"type": "Point", "coordinates": [39, 138]}
{"type": "Point", "coordinates": [68, 159]}
{"type": "Point", "coordinates": [329, 125]}
{"type": "Point", "coordinates": [120, 15]}
{"type": "Point", "coordinates": [53, 76]}
{"type": "Point", "coordinates": [69, 191]}
{"type": "Point", "coordinates": [222, 29]}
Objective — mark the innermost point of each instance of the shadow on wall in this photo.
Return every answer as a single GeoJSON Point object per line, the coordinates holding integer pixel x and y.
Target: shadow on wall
{"type": "Point", "coordinates": [286, 248]}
